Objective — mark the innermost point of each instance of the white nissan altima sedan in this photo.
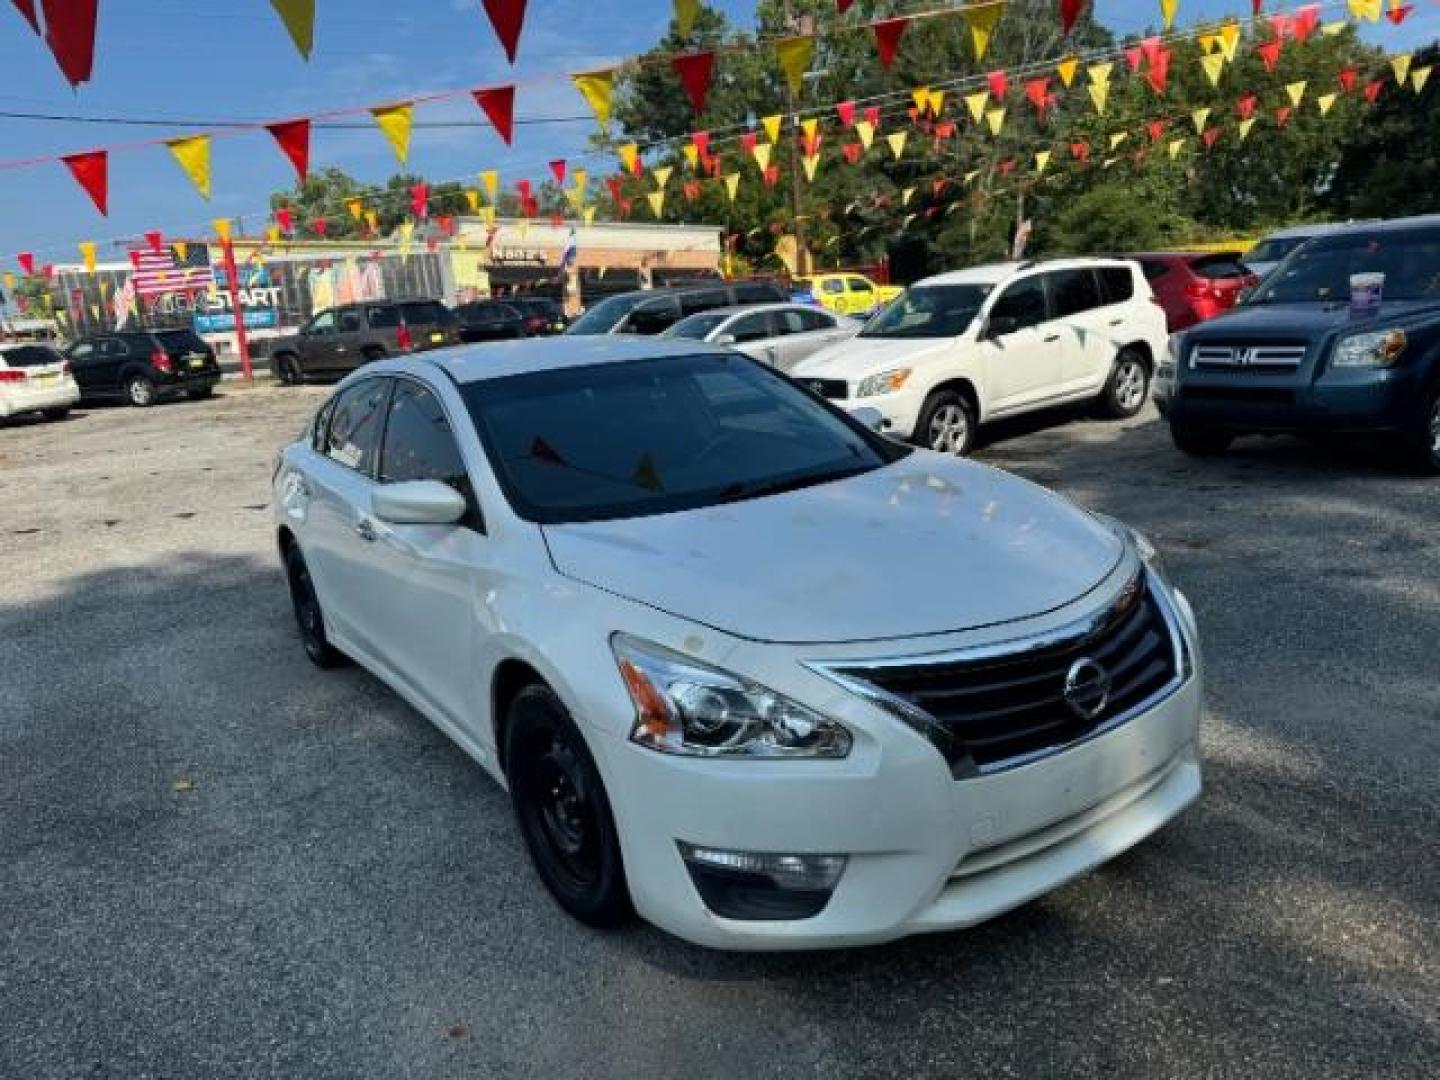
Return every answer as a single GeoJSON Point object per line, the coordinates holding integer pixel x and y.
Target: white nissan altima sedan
{"type": "Point", "coordinates": [744, 666]}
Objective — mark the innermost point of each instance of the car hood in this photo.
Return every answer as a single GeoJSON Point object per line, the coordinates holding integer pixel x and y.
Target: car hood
{"type": "Point", "coordinates": [1310, 320]}
{"type": "Point", "coordinates": [860, 356]}
{"type": "Point", "coordinates": [928, 545]}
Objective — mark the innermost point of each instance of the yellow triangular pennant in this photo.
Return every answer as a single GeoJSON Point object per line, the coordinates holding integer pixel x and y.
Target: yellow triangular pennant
{"type": "Point", "coordinates": [1176, 145]}
{"type": "Point", "coordinates": [1199, 118]}
{"type": "Point", "coordinates": [810, 163]}
{"type": "Point", "coordinates": [1066, 69]}
{"type": "Point", "coordinates": [356, 206]}
{"type": "Point", "coordinates": [686, 11]}
{"type": "Point", "coordinates": [222, 229]}
{"type": "Point", "coordinates": [598, 90]}
{"type": "Point", "coordinates": [1419, 77]}
{"type": "Point", "coordinates": [1168, 8]}
{"type": "Point", "coordinates": [1214, 66]}
{"type": "Point", "coordinates": [661, 175]}
{"type": "Point", "coordinates": [1245, 126]}
{"type": "Point", "coordinates": [657, 202]}
{"type": "Point", "coordinates": [906, 196]}
{"type": "Point", "coordinates": [810, 126]}
{"type": "Point", "coordinates": [1296, 92]}
{"type": "Point", "coordinates": [771, 125]}
{"type": "Point", "coordinates": [732, 185]}
{"type": "Point", "coordinates": [762, 155]}
{"type": "Point", "coordinates": [87, 252]}
{"type": "Point", "coordinates": [1330, 29]}
{"type": "Point", "coordinates": [982, 18]}
{"type": "Point", "coordinates": [936, 102]}
{"type": "Point", "coordinates": [395, 121]}
{"type": "Point", "coordinates": [629, 154]}
{"type": "Point", "coordinates": [299, 19]}
{"type": "Point", "coordinates": [491, 179]}
{"type": "Point", "coordinates": [921, 96]}
{"type": "Point", "coordinates": [996, 119]}
{"type": "Point", "coordinates": [866, 131]}
{"type": "Point", "coordinates": [794, 56]}
{"type": "Point", "coordinates": [1099, 94]}
{"type": "Point", "coordinates": [1401, 66]}
{"type": "Point", "coordinates": [589, 215]}
{"type": "Point", "coordinates": [1229, 39]}
{"type": "Point", "coordinates": [896, 140]}
{"type": "Point", "coordinates": [193, 154]}
{"type": "Point", "coordinates": [976, 103]}
{"type": "Point", "coordinates": [692, 155]}
{"type": "Point", "coordinates": [1100, 73]}
{"type": "Point", "coordinates": [1118, 137]}
{"type": "Point", "coordinates": [1042, 162]}
{"type": "Point", "coordinates": [1326, 103]}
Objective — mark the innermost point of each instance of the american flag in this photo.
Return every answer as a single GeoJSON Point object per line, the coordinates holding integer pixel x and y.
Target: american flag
{"type": "Point", "coordinates": [165, 271]}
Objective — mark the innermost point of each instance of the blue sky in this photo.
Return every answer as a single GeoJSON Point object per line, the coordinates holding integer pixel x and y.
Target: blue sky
{"type": "Point", "coordinates": [185, 59]}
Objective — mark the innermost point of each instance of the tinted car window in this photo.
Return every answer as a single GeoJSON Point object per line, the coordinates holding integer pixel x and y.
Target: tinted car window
{"type": "Point", "coordinates": [832, 286]}
{"type": "Point", "coordinates": [350, 322]}
{"type": "Point", "coordinates": [324, 323]}
{"type": "Point", "coordinates": [758, 293]}
{"type": "Point", "coordinates": [1020, 306]}
{"type": "Point", "coordinates": [427, 312]}
{"type": "Point", "coordinates": [813, 320]}
{"type": "Point", "coordinates": [603, 317]}
{"type": "Point", "coordinates": [697, 327]}
{"type": "Point", "coordinates": [1117, 282]}
{"type": "Point", "coordinates": [752, 327]}
{"type": "Point", "coordinates": [419, 444]}
{"type": "Point", "coordinates": [693, 302]}
{"type": "Point", "coordinates": [1154, 271]}
{"type": "Point", "coordinates": [1321, 270]}
{"type": "Point", "coordinates": [654, 436]}
{"type": "Point", "coordinates": [355, 425]}
{"type": "Point", "coordinates": [929, 311]}
{"type": "Point", "coordinates": [1073, 292]}
{"type": "Point", "coordinates": [83, 353]}
{"type": "Point", "coordinates": [789, 322]}
{"type": "Point", "coordinates": [1219, 266]}
{"type": "Point", "coordinates": [32, 356]}
{"type": "Point", "coordinates": [858, 285]}
{"type": "Point", "coordinates": [182, 341]}
{"type": "Point", "coordinates": [382, 318]}
{"type": "Point", "coordinates": [654, 316]}
{"type": "Point", "coordinates": [1270, 251]}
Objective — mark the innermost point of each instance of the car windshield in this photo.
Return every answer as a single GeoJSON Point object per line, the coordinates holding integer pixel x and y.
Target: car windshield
{"type": "Point", "coordinates": [1272, 251]}
{"type": "Point", "coordinates": [929, 311]}
{"type": "Point", "coordinates": [601, 318]}
{"type": "Point", "coordinates": [697, 327]}
{"type": "Point", "coordinates": [180, 341]}
{"type": "Point", "coordinates": [656, 436]}
{"type": "Point", "coordinates": [1320, 272]}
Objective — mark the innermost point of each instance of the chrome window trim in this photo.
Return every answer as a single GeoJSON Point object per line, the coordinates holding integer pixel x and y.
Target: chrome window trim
{"type": "Point", "coordinates": [842, 672]}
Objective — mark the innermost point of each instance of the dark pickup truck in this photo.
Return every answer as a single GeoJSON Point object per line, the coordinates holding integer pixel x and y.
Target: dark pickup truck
{"type": "Point", "coordinates": [1303, 355]}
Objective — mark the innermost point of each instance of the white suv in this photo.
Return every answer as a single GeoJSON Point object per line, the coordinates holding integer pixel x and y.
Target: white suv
{"type": "Point", "coordinates": [961, 349]}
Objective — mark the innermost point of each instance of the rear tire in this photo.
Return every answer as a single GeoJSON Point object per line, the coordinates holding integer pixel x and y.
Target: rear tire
{"type": "Point", "coordinates": [563, 811]}
{"type": "Point", "coordinates": [947, 424]}
{"type": "Point", "coordinates": [1128, 386]}
{"type": "Point", "coordinates": [1423, 448]}
{"type": "Point", "coordinates": [140, 391]}
{"type": "Point", "coordinates": [309, 617]}
{"type": "Point", "coordinates": [56, 414]}
{"type": "Point", "coordinates": [288, 370]}
{"type": "Point", "coordinates": [1199, 441]}
{"type": "Point", "coordinates": [201, 394]}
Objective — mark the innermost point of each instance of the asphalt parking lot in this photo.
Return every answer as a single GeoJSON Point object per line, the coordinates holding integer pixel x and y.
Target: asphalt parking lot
{"type": "Point", "coordinates": [217, 860]}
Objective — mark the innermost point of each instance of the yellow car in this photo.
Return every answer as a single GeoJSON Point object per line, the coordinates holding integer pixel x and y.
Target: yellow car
{"type": "Point", "coordinates": [850, 294]}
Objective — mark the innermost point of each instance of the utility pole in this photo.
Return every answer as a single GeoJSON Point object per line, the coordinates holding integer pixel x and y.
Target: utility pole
{"type": "Point", "coordinates": [802, 248]}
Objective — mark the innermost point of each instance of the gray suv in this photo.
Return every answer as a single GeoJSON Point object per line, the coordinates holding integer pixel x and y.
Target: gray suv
{"type": "Point", "coordinates": [337, 341]}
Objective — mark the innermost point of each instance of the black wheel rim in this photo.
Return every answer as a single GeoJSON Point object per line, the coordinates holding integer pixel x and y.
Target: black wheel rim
{"type": "Point", "coordinates": [561, 815]}
{"type": "Point", "coordinates": [307, 609]}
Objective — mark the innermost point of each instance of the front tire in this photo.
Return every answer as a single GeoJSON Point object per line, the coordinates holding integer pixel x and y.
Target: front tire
{"type": "Point", "coordinates": [563, 811]}
{"type": "Point", "coordinates": [947, 424]}
{"type": "Point", "coordinates": [140, 391]}
{"type": "Point", "coordinates": [1199, 441]}
{"type": "Point", "coordinates": [288, 370]}
{"type": "Point", "coordinates": [309, 617]}
{"type": "Point", "coordinates": [1128, 386]}
{"type": "Point", "coordinates": [1424, 445]}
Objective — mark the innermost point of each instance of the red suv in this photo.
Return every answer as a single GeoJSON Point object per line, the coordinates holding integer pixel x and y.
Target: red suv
{"type": "Point", "coordinates": [1194, 287]}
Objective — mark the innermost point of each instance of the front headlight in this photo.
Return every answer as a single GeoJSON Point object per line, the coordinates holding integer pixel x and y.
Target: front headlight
{"type": "Point", "coordinates": [1379, 348]}
{"type": "Point", "coordinates": [887, 382]}
{"type": "Point", "coordinates": [1148, 552]}
{"type": "Point", "coordinates": [685, 707]}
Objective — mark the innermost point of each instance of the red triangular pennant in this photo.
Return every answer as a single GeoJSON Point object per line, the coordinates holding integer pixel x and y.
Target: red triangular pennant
{"type": "Point", "coordinates": [1080, 151]}
{"type": "Point", "coordinates": [27, 263]}
{"type": "Point", "coordinates": [701, 141]}
{"type": "Point", "coordinates": [1133, 57]}
{"type": "Point", "coordinates": [1348, 78]}
{"type": "Point", "coordinates": [1157, 130]}
{"type": "Point", "coordinates": [1398, 15]}
{"type": "Point", "coordinates": [1159, 74]}
{"type": "Point", "coordinates": [1280, 25]}
{"type": "Point", "coordinates": [843, 6]}
{"type": "Point", "coordinates": [70, 33]}
{"type": "Point", "coordinates": [498, 102]}
{"type": "Point", "coordinates": [1246, 106]}
{"type": "Point", "coordinates": [695, 70]}
{"type": "Point", "coordinates": [557, 170]}
{"type": "Point", "coordinates": [27, 8]}
{"type": "Point", "coordinates": [691, 189]}
{"type": "Point", "coordinates": [887, 38]}
{"type": "Point", "coordinates": [1038, 93]}
{"type": "Point", "coordinates": [420, 201]}
{"type": "Point", "coordinates": [155, 239]}
{"type": "Point", "coordinates": [852, 152]}
{"type": "Point", "coordinates": [1270, 53]}
{"type": "Point", "coordinates": [285, 218]}
{"type": "Point", "coordinates": [1304, 22]}
{"type": "Point", "coordinates": [1151, 47]}
{"type": "Point", "coordinates": [1373, 89]}
{"type": "Point", "coordinates": [846, 112]}
{"type": "Point", "coordinates": [1282, 115]}
{"type": "Point", "coordinates": [613, 183]}
{"type": "Point", "coordinates": [748, 141]}
{"type": "Point", "coordinates": [92, 172]}
{"type": "Point", "coordinates": [508, 19]}
{"type": "Point", "coordinates": [294, 139]}
{"type": "Point", "coordinates": [1069, 12]}
{"type": "Point", "coordinates": [319, 226]}
{"type": "Point", "coordinates": [999, 84]}
{"type": "Point", "coordinates": [1211, 136]}
{"type": "Point", "coordinates": [872, 116]}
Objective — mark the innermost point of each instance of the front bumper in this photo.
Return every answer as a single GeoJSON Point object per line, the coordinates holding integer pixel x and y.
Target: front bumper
{"type": "Point", "coordinates": [1364, 401]}
{"type": "Point", "coordinates": [926, 852]}
{"type": "Point", "coordinates": [901, 410]}
{"type": "Point", "coordinates": [60, 395]}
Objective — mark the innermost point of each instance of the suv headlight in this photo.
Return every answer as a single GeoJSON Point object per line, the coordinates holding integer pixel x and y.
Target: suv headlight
{"type": "Point", "coordinates": [887, 382]}
{"type": "Point", "coordinates": [1379, 348]}
{"type": "Point", "coordinates": [685, 707]}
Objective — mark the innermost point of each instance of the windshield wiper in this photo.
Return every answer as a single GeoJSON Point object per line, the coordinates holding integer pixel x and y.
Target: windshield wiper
{"type": "Point", "coordinates": [739, 491]}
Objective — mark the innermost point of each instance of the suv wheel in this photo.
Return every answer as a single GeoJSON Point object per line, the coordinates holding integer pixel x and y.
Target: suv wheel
{"type": "Point", "coordinates": [1425, 445]}
{"type": "Point", "coordinates": [563, 811]}
{"type": "Point", "coordinates": [372, 354]}
{"type": "Point", "coordinates": [139, 391]}
{"type": "Point", "coordinates": [1128, 386]}
{"type": "Point", "coordinates": [1198, 441]}
{"type": "Point", "coordinates": [947, 424]}
{"type": "Point", "coordinates": [309, 617]}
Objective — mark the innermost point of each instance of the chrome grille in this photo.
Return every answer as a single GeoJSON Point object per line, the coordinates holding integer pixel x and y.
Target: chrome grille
{"type": "Point", "coordinates": [1273, 357]}
{"type": "Point", "coordinates": [996, 707]}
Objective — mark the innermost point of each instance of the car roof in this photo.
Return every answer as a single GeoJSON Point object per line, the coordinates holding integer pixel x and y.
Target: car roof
{"type": "Point", "coordinates": [671, 290]}
{"type": "Point", "coordinates": [497, 359]}
{"type": "Point", "coordinates": [996, 273]}
{"type": "Point", "coordinates": [746, 309]}
{"type": "Point", "coordinates": [1183, 256]}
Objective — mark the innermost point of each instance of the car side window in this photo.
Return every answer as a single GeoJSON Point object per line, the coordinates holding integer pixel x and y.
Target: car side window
{"type": "Point", "coordinates": [815, 320]}
{"type": "Point", "coordinates": [350, 322]}
{"type": "Point", "coordinates": [754, 293]}
{"type": "Point", "coordinates": [383, 318]}
{"type": "Point", "coordinates": [113, 348]}
{"type": "Point", "coordinates": [353, 436]}
{"type": "Point", "coordinates": [789, 322]}
{"type": "Point", "coordinates": [324, 323]}
{"type": "Point", "coordinates": [654, 317]}
{"type": "Point", "coordinates": [1074, 292]}
{"type": "Point", "coordinates": [691, 303]}
{"type": "Point", "coordinates": [419, 444]}
{"type": "Point", "coordinates": [832, 286]}
{"type": "Point", "coordinates": [752, 327]}
{"type": "Point", "coordinates": [1118, 283]}
{"type": "Point", "coordinates": [1020, 306]}
{"type": "Point", "coordinates": [82, 354]}
{"type": "Point", "coordinates": [859, 284]}
{"type": "Point", "coordinates": [1154, 271]}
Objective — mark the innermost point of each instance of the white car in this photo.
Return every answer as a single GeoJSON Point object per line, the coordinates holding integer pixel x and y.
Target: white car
{"type": "Point", "coordinates": [771, 678]}
{"type": "Point", "coordinates": [962, 349]}
{"type": "Point", "coordinates": [781, 335]}
{"type": "Point", "coordinates": [34, 378]}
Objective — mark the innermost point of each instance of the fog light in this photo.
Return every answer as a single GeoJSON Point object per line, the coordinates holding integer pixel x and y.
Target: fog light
{"type": "Point", "coordinates": [760, 885]}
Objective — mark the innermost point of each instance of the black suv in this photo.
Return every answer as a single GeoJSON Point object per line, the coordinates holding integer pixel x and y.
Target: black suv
{"type": "Point", "coordinates": [489, 320]}
{"type": "Point", "coordinates": [653, 311]}
{"type": "Point", "coordinates": [143, 367]}
{"type": "Point", "coordinates": [1319, 348]}
{"type": "Point", "coordinates": [339, 340]}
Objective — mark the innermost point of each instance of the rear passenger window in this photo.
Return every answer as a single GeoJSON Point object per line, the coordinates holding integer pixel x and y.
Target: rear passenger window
{"type": "Point", "coordinates": [383, 318]}
{"type": "Point", "coordinates": [1074, 292]}
{"type": "Point", "coordinates": [832, 286]}
{"type": "Point", "coordinates": [426, 312]}
{"type": "Point", "coordinates": [1020, 307]}
{"type": "Point", "coordinates": [692, 303]}
{"type": "Point", "coordinates": [756, 293]}
{"type": "Point", "coordinates": [1218, 267]}
{"type": "Point", "coordinates": [354, 433]}
{"type": "Point", "coordinates": [654, 317]}
{"type": "Point", "coordinates": [1118, 283]}
{"type": "Point", "coordinates": [1153, 271]}
{"type": "Point", "coordinates": [419, 444]}
{"type": "Point", "coordinates": [752, 327]}
{"type": "Point", "coordinates": [814, 320]}
{"type": "Point", "coordinates": [350, 322]}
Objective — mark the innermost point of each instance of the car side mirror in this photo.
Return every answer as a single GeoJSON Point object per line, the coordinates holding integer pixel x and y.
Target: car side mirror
{"type": "Point", "coordinates": [418, 502]}
{"type": "Point", "coordinates": [724, 339]}
{"type": "Point", "coordinates": [871, 417]}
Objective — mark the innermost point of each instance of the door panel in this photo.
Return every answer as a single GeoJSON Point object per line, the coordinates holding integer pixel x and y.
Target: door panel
{"type": "Point", "coordinates": [1021, 355]}
{"type": "Point", "coordinates": [317, 343]}
{"type": "Point", "coordinates": [1086, 339]}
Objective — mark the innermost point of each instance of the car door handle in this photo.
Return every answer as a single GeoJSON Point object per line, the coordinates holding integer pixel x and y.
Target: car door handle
{"type": "Point", "coordinates": [365, 529]}
{"type": "Point", "coordinates": [1051, 338]}
{"type": "Point", "coordinates": [1117, 322]}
